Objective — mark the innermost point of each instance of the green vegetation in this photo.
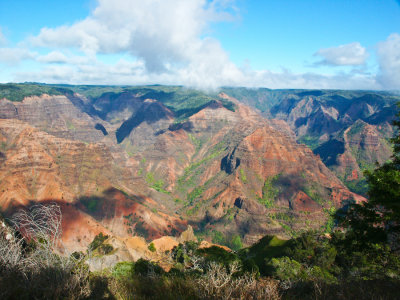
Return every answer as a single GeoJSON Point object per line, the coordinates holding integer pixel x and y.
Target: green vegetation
{"type": "Point", "coordinates": [158, 185]}
{"type": "Point", "coordinates": [123, 269]}
{"type": "Point", "coordinates": [218, 237]}
{"type": "Point", "coordinates": [196, 193]}
{"type": "Point", "coordinates": [357, 186]}
{"type": "Point", "coordinates": [356, 128]}
{"type": "Point", "coordinates": [217, 150]}
{"type": "Point", "coordinates": [152, 248]}
{"type": "Point", "coordinates": [92, 204]}
{"type": "Point", "coordinates": [18, 91]}
{"type": "Point", "coordinates": [269, 191]}
{"type": "Point", "coordinates": [196, 142]}
{"type": "Point", "coordinates": [243, 176]}
{"type": "Point", "coordinates": [193, 210]}
{"type": "Point", "coordinates": [262, 99]}
{"type": "Point", "coordinates": [188, 179]}
{"type": "Point", "coordinates": [311, 141]}
{"type": "Point", "coordinates": [136, 225]}
{"type": "Point", "coordinates": [313, 191]}
{"type": "Point", "coordinates": [182, 101]}
{"type": "Point", "coordinates": [98, 245]}
{"type": "Point", "coordinates": [311, 266]}
{"type": "Point", "coordinates": [358, 259]}
{"type": "Point", "coordinates": [236, 243]}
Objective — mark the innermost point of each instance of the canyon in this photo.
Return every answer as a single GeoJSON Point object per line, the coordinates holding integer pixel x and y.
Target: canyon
{"type": "Point", "coordinates": [150, 161]}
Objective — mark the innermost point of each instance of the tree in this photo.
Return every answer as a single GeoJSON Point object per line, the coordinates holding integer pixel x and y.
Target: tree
{"type": "Point", "coordinates": [369, 245]}
{"type": "Point", "coordinates": [384, 190]}
{"type": "Point", "coordinates": [380, 215]}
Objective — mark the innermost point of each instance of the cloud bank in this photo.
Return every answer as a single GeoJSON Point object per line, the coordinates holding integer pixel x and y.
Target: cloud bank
{"type": "Point", "coordinates": [166, 37]}
{"type": "Point", "coordinates": [389, 62]}
{"type": "Point", "coordinates": [133, 42]}
{"type": "Point", "coordinates": [344, 55]}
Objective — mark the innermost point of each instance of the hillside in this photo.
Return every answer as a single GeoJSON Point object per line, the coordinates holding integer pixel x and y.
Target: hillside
{"type": "Point", "coordinates": [349, 130]}
{"type": "Point", "coordinates": [150, 160]}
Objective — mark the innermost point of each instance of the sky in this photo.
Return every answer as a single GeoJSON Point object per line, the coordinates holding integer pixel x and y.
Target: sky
{"type": "Point", "coordinates": [205, 44]}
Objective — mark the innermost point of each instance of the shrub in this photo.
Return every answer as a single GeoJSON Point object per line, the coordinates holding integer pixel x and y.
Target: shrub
{"type": "Point", "coordinates": [236, 243]}
{"type": "Point", "coordinates": [152, 248]}
{"type": "Point", "coordinates": [37, 272]}
{"type": "Point", "coordinates": [147, 268]}
{"type": "Point", "coordinates": [97, 241]}
{"type": "Point", "coordinates": [105, 249]}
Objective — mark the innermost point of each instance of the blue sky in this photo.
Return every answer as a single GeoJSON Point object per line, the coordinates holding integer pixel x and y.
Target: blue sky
{"type": "Point", "coordinates": [202, 43]}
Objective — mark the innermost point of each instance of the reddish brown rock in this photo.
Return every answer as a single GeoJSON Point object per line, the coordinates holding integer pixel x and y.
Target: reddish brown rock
{"type": "Point", "coordinates": [153, 176]}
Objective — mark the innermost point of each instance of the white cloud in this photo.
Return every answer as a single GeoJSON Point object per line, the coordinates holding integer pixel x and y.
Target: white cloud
{"type": "Point", "coordinates": [388, 53]}
{"type": "Point", "coordinates": [128, 72]}
{"type": "Point", "coordinates": [344, 55]}
{"type": "Point", "coordinates": [167, 42]}
{"type": "Point", "coordinates": [287, 79]}
{"type": "Point", "coordinates": [54, 57]}
{"type": "Point", "coordinates": [168, 36]}
{"type": "Point", "coordinates": [12, 56]}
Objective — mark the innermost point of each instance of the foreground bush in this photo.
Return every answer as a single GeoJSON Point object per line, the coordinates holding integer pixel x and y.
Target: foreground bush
{"type": "Point", "coordinates": [29, 267]}
{"type": "Point", "coordinates": [311, 266]}
{"type": "Point", "coordinates": [217, 282]}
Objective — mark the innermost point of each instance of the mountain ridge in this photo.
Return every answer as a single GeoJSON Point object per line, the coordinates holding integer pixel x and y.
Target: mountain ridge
{"type": "Point", "coordinates": [218, 165]}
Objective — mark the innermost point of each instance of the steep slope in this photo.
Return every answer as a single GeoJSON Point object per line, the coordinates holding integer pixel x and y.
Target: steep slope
{"type": "Point", "coordinates": [319, 119]}
{"type": "Point", "coordinates": [356, 149]}
{"type": "Point", "coordinates": [235, 172]}
{"type": "Point", "coordinates": [148, 161]}
{"type": "Point", "coordinates": [38, 167]}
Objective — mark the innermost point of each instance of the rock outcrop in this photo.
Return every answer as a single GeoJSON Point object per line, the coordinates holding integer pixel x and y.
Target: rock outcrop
{"type": "Point", "coordinates": [129, 165]}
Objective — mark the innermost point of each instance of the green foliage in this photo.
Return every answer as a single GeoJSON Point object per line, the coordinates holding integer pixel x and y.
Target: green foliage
{"type": "Point", "coordinates": [356, 128]}
{"type": "Point", "coordinates": [140, 171]}
{"type": "Point", "coordinates": [269, 191]}
{"type": "Point", "coordinates": [218, 237]}
{"type": "Point", "coordinates": [217, 254]}
{"type": "Point", "coordinates": [97, 241]}
{"type": "Point", "coordinates": [151, 247]}
{"type": "Point", "coordinates": [140, 228]}
{"type": "Point", "coordinates": [364, 259]}
{"type": "Point", "coordinates": [236, 242]}
{"type": "Point", "coordinates": [384, 192]}
{"type": "Point", "coordinates": [372, 228]}
{"type": "Point", "coordinates": [144, 267]}
{"type": "Point", "coordinates": [195, 193]}
{"type": "Point", "coordinates": [313, 249]}
{"type": "Point", "coordinates": [243, 176]}
{"type": "Point", "coordinates": [311, 141]}
{"type": "Point", "coordinates": [190, 172]}
{"type": "Point", "coordinates": [105, 249]}
{"type": "Point", "coordinates": [17, 91]}
{"type": "Point", "coordinates": [123, 270]}
{"type": "Point", "coordinates": [150, 178]}
{"type": "Point", "coordinates": [286, 268]}
{"type": "Point", "coordinates": [193, 210]}
{"type": "Point", "coordinates": [183, 102]}
{"type": "Point", "coordinates": [357, 186]}
{"type": "Point", "coordinates": [196, 142]}
{"type": "Point", "coordinates": [182, 253]}
{"type": "Point", "coordinates": [158, 185]}
{"type": "Point", "coordinates": [262, 99]}
{"type": "Point", "coordinates": [313, 191]}
{"type": "Point", "coordinates": [92, 203]}
{"type": "Point", "coordinates": [290, 270]}
{"type": "Point", "coordinates": [264, 250]}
